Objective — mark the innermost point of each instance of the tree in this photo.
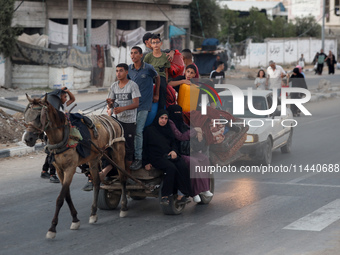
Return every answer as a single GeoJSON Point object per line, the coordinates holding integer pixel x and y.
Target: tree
{"type": "Point", "coordinates": [205, 18]}
{"type": "Point", "coordinates": [8, 33]}
{"type": "Point", "coordinates": [307, 26]}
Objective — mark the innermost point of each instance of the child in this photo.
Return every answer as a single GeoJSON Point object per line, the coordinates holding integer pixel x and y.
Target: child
{"type": "Point", "coordinates": [161, 63]}
{"type": "Point", "coordinates": [190, 73]}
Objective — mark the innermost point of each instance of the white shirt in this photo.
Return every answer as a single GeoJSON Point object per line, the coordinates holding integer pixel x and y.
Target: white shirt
{"type": "Point", "coordinates": [275, 76]}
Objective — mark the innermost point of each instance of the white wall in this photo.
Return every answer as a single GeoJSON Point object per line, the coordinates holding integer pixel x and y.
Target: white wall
{"type": "Point", "coordinates": [2, 71]}
{"type": "Point", "coordinates": [284, 51]}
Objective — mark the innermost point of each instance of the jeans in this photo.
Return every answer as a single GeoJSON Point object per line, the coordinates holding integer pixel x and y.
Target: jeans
{"type": "Point", "coordinates": [141, 119]}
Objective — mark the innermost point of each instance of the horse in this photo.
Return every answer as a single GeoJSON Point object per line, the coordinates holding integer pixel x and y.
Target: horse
{"type": "Point", "coordinates": [40, 116]}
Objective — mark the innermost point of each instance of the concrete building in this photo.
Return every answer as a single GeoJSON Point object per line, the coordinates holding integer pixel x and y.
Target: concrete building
{"type": "Point", "coordinates": [118, 16]}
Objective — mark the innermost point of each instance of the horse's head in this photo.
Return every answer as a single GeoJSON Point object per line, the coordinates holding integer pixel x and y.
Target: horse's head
{"type": "Point", "coordinates": [35, 119]}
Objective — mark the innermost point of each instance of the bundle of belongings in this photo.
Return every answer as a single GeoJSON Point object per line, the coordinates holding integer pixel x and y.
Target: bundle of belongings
{"type": "Point", "coordinates": [224, 140]}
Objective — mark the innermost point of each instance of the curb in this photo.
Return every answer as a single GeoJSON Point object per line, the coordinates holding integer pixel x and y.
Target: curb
{"type": "Point", "coordinates": [74, 92]}
{"type": "Point", "coordinates": [21, 150]}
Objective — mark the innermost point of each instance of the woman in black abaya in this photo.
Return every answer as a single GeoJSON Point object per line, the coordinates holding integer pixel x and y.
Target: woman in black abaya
{"type": "Point", "coordinates": [160, 151]}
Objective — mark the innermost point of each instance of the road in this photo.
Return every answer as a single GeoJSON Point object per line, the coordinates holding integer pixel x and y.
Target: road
{"type": "Point", "coordinates": [251, 213]}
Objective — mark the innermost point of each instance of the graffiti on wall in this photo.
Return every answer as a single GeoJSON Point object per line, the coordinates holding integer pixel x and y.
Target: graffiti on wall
{"type": "Point", "coordinates": [289, 48]}
{"type": "Point", "coordinates": [274, 50]}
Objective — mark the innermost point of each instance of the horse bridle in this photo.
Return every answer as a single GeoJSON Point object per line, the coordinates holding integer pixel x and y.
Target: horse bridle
{"type": "Point", "coordinates": [30, 126]}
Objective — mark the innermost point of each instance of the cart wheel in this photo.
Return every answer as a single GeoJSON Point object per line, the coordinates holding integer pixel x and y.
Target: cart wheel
{"type": "Point", "coordinates": [204, 199]}
{"type": "Point", "coordinates": [173, 208]}
{"type": "Point", "coordinates": [107, 200]}
{"type": "Point", "coordinates": [138, 197]}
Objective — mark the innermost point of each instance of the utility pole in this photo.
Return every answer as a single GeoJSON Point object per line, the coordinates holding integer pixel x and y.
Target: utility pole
{"type": "Point", "coordinates": [70, 23]}
{"type": "Point", "coordinates": [88, 27]}
{"type": "Point", "coordinates": [323, 24]}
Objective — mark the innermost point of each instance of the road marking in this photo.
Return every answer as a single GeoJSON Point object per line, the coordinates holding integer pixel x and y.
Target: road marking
{"type": "Point", "coordinates": [252, 211]}
{"type": "Point", "coordinates": [285, 183]}
{"type": "Point", "coordinates": [151, 239]}
{"type": "Point", "coordinates": [301, 178]}
{"type": "Point", "coordinates": [319, 219]}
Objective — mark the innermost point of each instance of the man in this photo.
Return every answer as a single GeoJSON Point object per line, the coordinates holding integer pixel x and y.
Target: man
{"type": "Point", "coordinates": [187, 59]}
{"type": "Point", "coordinates": [321, 60]}
{"type": "Point", "coordinates": [219, 72]}
{"type": "Point", "coordinates": [275, 73]}
{"type": "Point", "coordinates": [123, 101]}
{"type": "Point", "coordinates": [59, 100]}
{"type": "Point", "coordinates": [142, 74]}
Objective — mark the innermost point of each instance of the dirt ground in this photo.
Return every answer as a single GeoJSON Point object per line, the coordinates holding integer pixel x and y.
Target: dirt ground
{"type": "Point", "coordinates": [11, 127]}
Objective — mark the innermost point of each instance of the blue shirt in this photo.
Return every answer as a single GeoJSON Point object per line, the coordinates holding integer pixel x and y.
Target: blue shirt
{"type": "Point", "coordinates": [144, 78]}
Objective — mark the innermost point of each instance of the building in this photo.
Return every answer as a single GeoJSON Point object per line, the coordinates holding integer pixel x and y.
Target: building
{"type": "Point", "coordinates": [271, 8]}
{"type": "Point", "coordinates": [111, 22]}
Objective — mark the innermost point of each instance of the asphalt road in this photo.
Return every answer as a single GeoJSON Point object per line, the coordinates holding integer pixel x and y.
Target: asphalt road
{"type": "Point", "coordinates": [251, 213]}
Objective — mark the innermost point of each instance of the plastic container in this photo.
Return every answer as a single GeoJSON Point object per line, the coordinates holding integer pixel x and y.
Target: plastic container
{"type": "Point", "coordinates": [188, 97]}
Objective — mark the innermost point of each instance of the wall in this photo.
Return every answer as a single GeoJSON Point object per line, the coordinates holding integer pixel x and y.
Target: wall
{"type": "Point", "coordinates": [284, 51]}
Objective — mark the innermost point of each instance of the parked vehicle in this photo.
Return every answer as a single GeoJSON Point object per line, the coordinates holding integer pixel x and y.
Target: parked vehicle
{"type": "Point", "coordinates": [266, 132]}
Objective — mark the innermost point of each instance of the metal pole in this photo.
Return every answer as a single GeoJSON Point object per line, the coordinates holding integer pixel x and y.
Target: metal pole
{"type": "Point", "coordinates": [70, 23]}
{"type": "Point", "coordinates": [323, 24]}
{"type": "Point", "coordinates": [88, 27]}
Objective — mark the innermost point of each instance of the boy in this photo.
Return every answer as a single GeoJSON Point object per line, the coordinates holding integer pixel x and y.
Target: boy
{"type": "Point", "coordinates": [219, 72]}
{"type": "Point", "coordinates": [190, 72]}
{"type": "Point", "coordinates": [123, 101]}
{"type": "Point", "coordinates": [187, 59]}
{"type": "Point", "coordinates": [160, 62]}
{"type": "Point", "coordinates": [142, 74]}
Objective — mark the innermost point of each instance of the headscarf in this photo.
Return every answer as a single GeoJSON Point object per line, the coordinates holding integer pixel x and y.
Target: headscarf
{"type": "Point", "coordinates": [175, 114]}
{"type": "Point", "coordinates": [164, 130]}
{"type": "Point", "coordinates": [297, 72]}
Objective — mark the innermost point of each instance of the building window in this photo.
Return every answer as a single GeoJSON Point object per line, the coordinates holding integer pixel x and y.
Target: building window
{"type": "Point", "coordinates": [128, 24]}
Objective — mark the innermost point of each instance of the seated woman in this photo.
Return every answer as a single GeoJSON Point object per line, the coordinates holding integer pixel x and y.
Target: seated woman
{"type": "Point", "coordinates": [200, 182]}
{"type": "Point", "coordinates": [298, 81]}
{"type": "Point", "coordinates": [160, 151]}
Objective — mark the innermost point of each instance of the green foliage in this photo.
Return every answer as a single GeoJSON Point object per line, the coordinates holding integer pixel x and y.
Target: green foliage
{"type": "Point", "coordinates": [236, 28]}
{"type": "Point", "coordinates": [8, 34]}
{"type": "Point", "coordinates": [307, 26]}
{"type": "Point", "coordinates": [204, 19]}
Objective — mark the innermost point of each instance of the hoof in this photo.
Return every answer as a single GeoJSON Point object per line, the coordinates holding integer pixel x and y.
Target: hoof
{"type": "Point", "coordinates": [50, 235]}
{"type": "Point", "coordinates": [75, 225]}
{"type": "Point", "coordinates": [93, 219]}
{"type": "Point", "coordinates": [123, 214]}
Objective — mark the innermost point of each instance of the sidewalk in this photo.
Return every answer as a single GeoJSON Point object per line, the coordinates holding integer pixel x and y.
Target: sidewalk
{"type": "Point", "coordinates": [22, 149]}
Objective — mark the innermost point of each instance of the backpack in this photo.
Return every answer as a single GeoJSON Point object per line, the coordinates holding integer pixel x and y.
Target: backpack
{"type": "Point", "coordinates": [171, 97]}
{"type": "Point", "coordinates": [177, 65]}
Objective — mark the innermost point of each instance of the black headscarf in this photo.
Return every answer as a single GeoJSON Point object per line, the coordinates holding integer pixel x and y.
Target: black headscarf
{"type": "Point", "coordinates": [164, 130]}
{"type": "Point", "coordinates": [298, 81]}
{"type": "Point", "coordinates": [175, 114]}
{"type": "Point", "coordinates": [297, 72]}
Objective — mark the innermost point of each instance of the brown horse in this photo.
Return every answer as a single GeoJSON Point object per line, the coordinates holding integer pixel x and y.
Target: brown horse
{"type": "Point", "coordinates": [40, 116]}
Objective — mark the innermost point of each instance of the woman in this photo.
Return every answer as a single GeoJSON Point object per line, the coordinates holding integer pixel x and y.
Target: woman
{"type": "Point", "coordinates": [200, 184]}
{"type": "Point", "coordinates": [160, 151]}
{"type": "Point", "coordinates": [298, 81]}
{"type": "Point", "coordinates": [330, 62]}
{"type": "Point", "coordinates": [261, 82]}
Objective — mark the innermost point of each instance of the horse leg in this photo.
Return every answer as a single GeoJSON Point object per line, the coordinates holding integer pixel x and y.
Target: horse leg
{"type": "Point", "coordinates": [119, 156]}
{"type": "Point", "coordinates": [75, 221]}
{"type": "Point", "coordinates": [59, 203]}
{"type": "Point", "coordinates": [94, 169]}
{"type": "Point", "coordinates": [123, 210]}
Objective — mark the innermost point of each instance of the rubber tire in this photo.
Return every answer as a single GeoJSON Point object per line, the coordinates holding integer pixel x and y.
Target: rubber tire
{"type": "Point", "coordinates": [138, 197]}
{"type": "Point", "coordinates": [288, 147]}
{"type": "Point", "coordinates": [267, 152]}
{"type": "Point", "coordinates": [206, 200]}
{"type": "Point", "coordinates": [107, 200]}
{"type": "Point", "coordinates": [172, 208]}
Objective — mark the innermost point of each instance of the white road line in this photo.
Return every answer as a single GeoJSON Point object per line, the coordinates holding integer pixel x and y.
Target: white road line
{"type": "Point", "coordinates": [151, 239]}
{"type": "Point", "coordinates": [319, 219]}
{"type": "Point", "coordinates": [252, 211]}
{"type": "Point", "coordinates": [301, 178]}
{"type": "Point", "coordinates": [284, 183]}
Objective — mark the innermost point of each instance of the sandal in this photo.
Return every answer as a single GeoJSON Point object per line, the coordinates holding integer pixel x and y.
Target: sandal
{"type": "Point", "coordinates": [165, 201]}
{"type": "Point", "coordinates": [184, 200]}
